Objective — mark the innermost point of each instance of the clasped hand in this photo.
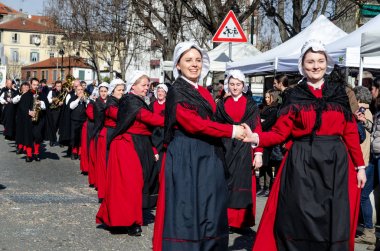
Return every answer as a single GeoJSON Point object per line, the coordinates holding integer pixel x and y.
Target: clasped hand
{"type": "Point", "coordinates": [243, 132]}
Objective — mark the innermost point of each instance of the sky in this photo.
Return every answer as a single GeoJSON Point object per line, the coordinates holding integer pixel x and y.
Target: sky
{"type": "Point", "coordinates": [33, 7]}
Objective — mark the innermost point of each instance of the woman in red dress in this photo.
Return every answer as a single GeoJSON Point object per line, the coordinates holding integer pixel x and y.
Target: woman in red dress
{"type": "Point", "coordinates": [158, 107]}
{"type": "Point", "coordinates": [131, 159]}
{"type": "Point", "coordinates": [192, 203]}
{"type": "Point", "coordinates": [314, 202]}
{"type": "Point", "coordinates": [107, 116]}
{"type": "Point", "coordinates": [239, 108]}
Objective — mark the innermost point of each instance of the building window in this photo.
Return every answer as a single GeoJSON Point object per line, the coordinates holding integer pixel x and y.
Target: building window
{"type": "Point", "coordinates": [51, 54]}
{"type": "Point", "coordinates": [35, 39]}
{"type": "Point", "coordinates": [15, 38]}
{"type": "Point", "coordinates": [34, 56]}
{"type": "Point", "coordinates": [43, 74]}
{"type": "Point", "coordinates": [81, 75]}
{"type": "Point", "coordinates": [51, 40]}
{"type": "Point", "coordinates": [27, 74]}
{"type": "Point", "coordinates": [34, 74]}
{"type": "Point", "coordinates": [15, 55]}
{"type": "Point", "coordinates": [55, 76]}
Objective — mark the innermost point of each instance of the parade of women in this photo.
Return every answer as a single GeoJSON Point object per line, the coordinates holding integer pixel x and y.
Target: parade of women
{"type": "Point", "coordinates": [200, 165]}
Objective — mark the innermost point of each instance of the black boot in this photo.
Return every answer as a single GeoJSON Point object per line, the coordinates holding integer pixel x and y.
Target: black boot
{"type": "Point", "coordinates": [28, 159]}
{"type": "Point", "coordinates": [36, 157]}
{"type": "Point", "coordinates": [19, 151]}
{"type": "Point", "coordinates": [135, 230]}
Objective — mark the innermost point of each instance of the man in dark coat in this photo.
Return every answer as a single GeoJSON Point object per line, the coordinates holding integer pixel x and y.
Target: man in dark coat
{"type": "Point", "coordinates": [30, 121]}
{"type": "Point", "coordinates": [8, 110]}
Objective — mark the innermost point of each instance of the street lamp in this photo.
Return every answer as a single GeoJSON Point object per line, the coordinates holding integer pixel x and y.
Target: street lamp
{"type": "Point", "coordinates": [61, 52]}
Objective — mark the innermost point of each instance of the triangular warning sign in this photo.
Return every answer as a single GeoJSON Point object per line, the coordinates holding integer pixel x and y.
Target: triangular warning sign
{"type": "Point", "coordinates": [230, 30]}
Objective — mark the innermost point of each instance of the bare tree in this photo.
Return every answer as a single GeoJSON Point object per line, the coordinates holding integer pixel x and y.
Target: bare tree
{"type": "Point", "coordinates": [291, 16]}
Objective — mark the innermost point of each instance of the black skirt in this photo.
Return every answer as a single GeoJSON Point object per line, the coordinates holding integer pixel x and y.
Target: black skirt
{"type": "Point", "coordinates": [196, 195]}
{"type": "Point", "coordinates": [76, 132]}
{"type": "Point", "coordinates": [313, 207]}
{"type": "Point", "coordinates": [143, 147]}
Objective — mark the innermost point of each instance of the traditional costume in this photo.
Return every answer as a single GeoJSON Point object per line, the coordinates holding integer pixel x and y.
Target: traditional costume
{"type": "Point", "coordinates": [239, 155]}
{"type": "Point", "coordinates": [29, 133]}
{"type": "Point", "coordinates": [53, 114]}
{"type": "Point", "coordinates": [130, 163]}
{"type": "Point", "coordinates": [314, 202]}
{"type": "Point", "coordinates": [192, 204]}
{"type": "Point", "coordinates": [8, 114]}
{"type": "Point", "coordinates": [158, 142]}
{"type": "Point", "coordinates": [78, 117]}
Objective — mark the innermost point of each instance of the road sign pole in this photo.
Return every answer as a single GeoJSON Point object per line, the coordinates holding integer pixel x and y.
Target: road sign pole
{"type": "Point", "coordinates": [230, 51]}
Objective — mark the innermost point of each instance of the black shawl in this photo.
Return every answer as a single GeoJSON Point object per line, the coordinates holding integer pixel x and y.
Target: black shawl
{"type": "Point", "coordinates": [99, 116]}
{"type": "Point", "coordinates": [129, 106]}
{"type": "Point", "coordinates": [183, 93]}
{"type": "Point", "coordinates": [334, 98]}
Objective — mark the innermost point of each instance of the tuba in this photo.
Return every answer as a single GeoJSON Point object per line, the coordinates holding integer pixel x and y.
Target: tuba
{"type": "Point", "coordinates": [36, 107]}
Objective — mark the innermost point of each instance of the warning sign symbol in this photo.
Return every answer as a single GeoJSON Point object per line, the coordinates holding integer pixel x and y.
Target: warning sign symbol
{"type": "Point", "coordinates": [230, 30]}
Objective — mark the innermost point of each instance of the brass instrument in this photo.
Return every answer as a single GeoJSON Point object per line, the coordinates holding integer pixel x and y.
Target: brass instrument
{"type": "Point", "coordinates": [66, 88]}
{"type": "Point", "coordinates": [36, 107]}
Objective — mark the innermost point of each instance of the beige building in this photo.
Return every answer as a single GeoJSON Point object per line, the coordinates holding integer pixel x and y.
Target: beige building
{"type": "Point", "coordinates": [25, 41]}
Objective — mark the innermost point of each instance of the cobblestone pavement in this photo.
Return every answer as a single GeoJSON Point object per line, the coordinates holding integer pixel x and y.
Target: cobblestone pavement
{"type": "Point", "coordinates": [48, 205]}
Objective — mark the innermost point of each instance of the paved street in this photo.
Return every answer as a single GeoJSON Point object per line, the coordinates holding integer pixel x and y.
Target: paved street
{"type": "Point", "coordinates": [48, 205]}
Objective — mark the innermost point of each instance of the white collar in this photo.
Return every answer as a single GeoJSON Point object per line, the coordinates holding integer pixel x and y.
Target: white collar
{"type": "Point", "coordinates": [190, 82]}
{"type": "Point", "coordinates": [238, 97]}
{"type": "Point", "coordinates": [161, 102]}
{"type": "Point", "coordinates": [317, 85]}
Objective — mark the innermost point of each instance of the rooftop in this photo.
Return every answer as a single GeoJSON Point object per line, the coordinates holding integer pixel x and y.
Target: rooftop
{"type": "Point", "coordinates": [5, 10]}
{"type": "Point", "coordinates": [33, 24]}
{"type": "Point", "coordinates": [56, 62]}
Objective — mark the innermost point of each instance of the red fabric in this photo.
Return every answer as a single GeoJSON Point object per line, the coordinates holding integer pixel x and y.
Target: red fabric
{"type": "Point", "coordinates": [84, 153]}
{"type": "Point", "coordinates": [101, 147]}
{"type": "Point", "coordinates": [36, 148]}
{"type": "Point", "coordinates": [236, 109]}
{"type": "Point", "coordinates": [74, 150]}
{"type": "Point", "coordinates": [299, 125]}
{"type": "Point", "coordinates": [111, 116]}
{"type": "Point", "coordinates": [25, 148]}
{"type": "Point", "coordinates": [160, 210]}
{"type": "Point", "coordinates": [20, 146]}
{"type": "Point", "coordinates": [90, 111]}
{"type": "Point", "coordinates": [159, 108]}
{"type": "Point", "coordinates": [28, 151]}
{"type": "Point", "coordinates": [100, 165]}
{"type": "Point", "coordinates": [91, 164]}
{"type": "Point", "coordinates": [145, 119]}
{"type": "Point", "coordinates": [194, 124]}
{"type": "Point", "coordinates": [122, 204]}
{"type": "Point", "coordinates": [240, 218]}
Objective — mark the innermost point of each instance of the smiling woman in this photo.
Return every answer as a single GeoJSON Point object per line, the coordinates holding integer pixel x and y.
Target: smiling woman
{"type": "Point", "coordinates": [313, 205]}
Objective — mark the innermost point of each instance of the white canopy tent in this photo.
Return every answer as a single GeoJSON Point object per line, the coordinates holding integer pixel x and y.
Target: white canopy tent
{"type": "Point", "coordinates": [346, 50]}
{"type": "Point", "coordinates": [370, 48]}
{"type": "Point", "coordinates": [285, 56]}
{"type": "Point", "coordinates": [219, 55]}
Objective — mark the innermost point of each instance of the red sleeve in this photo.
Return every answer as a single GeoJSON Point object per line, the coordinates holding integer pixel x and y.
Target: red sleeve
{"type": "Point", "coordinates": [90, 111]}
{"type": "Point", "coordinates": [194, 124]}
{"type": "Point", "coordinates": [150, 118]}
{"type": "Point", "coordinates": [154, 150]}
{"type": "Point", "coordinates": [112, 112]}
{"type": "Point", "coordinates": [279, 132]}
{"type": "Point", "coordinates": [258, 130]}
{"type": "Point", "coordinates": [351, 138]}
